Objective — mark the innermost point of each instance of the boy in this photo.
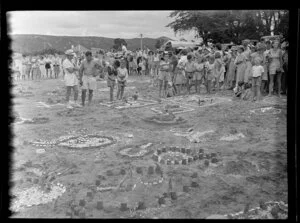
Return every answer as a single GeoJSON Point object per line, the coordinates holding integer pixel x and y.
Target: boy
{"type": "Point", "coordinates": [210, 72]}
{"type": "Point", "coordinates": [111, 78]}
{"type": "Point", "coordinates": [122, 78]}
{"type": "Point", "coordinates": [257, 72]}
{"type": "Point", "coordinates": [189, 72]}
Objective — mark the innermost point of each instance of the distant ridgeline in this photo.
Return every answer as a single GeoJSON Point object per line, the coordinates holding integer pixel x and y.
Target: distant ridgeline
{"type": "Point", "coordinates": [31, 43]}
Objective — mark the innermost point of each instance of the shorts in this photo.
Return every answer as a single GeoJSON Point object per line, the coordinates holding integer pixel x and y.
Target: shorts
{"type": "Point", "coordinates": [111, 83]}
{"type": "Point", "coordinates": [198, 76]}
{"type": "Point", "coordinates": [256, 81]}
{"type": "Point", "coordinates": [47, 66]}
{"type": "Point", "coordinates": [89, 82]}
{"type": "Point", "coordinates": [164, 76]}
{"type": "Point", "coordinates": [189, 75]}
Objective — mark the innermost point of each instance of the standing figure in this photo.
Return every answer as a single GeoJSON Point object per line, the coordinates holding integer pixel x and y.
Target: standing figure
{"type": "Point", "coordinates": [231, 72]}
{"type": "Point", "coordinates": [56, 68]}
{"type": "Point", "coordinates": [163, 75]}
{"type": "Point", "coordinates": [257, 72]}
{"type": "Point", "coordinates": [71, 79]}
{"type": "Point", "coordinates": [240, 63]}
{"type": "Point", "coordinates": [28, 67]}
{"type": "Point", "coordinates": [275, 67]}
{"type": "Point", "coordinates": [87, 76]}
{"type": "Point", "coordinates": [210, 72]}
{"type": "Point", "coordinates": [48, 67]}
{"type": "Point", "coordinates": [189, 72]}
{"type": "Point", "coordinates": [111, 77]}
{"type": "Point", "coordinates": [247, 54]}
{"type": "Point", "coordinates": [122, 78]}
{"type": "Point", "coordinates": [42, 66]}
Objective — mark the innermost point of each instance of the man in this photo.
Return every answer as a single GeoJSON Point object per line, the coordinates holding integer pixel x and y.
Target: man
{"type": "Point", "coordinates": [70, 77]}
{"type": "Point", "coordinates": [173, 63]}
{"type": "Point", "coordinates": [87, 76]}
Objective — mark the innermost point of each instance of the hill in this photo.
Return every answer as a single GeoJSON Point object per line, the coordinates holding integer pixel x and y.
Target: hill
{"type": "Point", "coordinates": [29, 43]}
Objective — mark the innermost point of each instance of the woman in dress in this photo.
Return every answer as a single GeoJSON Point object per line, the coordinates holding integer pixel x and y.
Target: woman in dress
{"type": "Point", "coordinates": [56, 66]}
{"type": "Point", "coordinates": [230, 76]}
{"type": "Point", "coordinates": [42, 66]}
{"type": "Point", "coordinates": [240, 62]}
{"type": "Point", "coordinates": [275, 67]}
{"type": "Point", "coordinates": [48, 66]}
{"type": "Point", "coordinates": [247, 55]}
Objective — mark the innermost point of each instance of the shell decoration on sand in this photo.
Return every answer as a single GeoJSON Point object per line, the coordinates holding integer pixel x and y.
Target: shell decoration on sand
{"type": "Point", "coordinates": [232, 137]}
{"type": "Point", "coordinates": [77, 141]}
{"type": "Point", "coordinates": [258, 213]}
{"type": "Point", "coordinates": [35, 196]}
{"type": "Point", "coordinates": [142, 150]}
{"type": "Point", "coordinates": [266, 110]}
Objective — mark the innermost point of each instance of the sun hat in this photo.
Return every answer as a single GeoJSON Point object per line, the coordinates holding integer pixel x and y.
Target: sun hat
{"type": "Point", "coordinates": [69, 52]}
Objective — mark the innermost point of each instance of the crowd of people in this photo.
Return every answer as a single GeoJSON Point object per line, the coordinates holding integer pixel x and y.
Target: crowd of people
{"type": "Point", "coordinates": [250, 71]}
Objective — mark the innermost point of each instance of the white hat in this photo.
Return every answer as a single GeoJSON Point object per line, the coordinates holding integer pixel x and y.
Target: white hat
{"type": "Point", "coordinates": [69, 52]}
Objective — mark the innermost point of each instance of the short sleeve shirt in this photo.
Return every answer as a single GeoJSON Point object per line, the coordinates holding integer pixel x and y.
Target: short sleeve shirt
{"type": "Point", "coordinates": [67, 64]}
{"type": "Point", "coordinates": [257, 71]}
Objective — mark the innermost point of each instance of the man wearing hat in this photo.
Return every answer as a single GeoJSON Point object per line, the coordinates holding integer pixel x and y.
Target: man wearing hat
{"type": "Point", "coordinates": [70, 77]}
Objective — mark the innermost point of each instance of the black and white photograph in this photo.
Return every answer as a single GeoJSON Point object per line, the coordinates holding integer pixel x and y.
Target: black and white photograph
{"type": "Point", "coordinates": [149, 114]}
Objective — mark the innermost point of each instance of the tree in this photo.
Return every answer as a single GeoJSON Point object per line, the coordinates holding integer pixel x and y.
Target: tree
{"type": "Point", "coordinates": [118, 43]}
{"type": "Point", "coordinates": [159, 42]}
{"type": "Point", "coordinates": [231, 25]}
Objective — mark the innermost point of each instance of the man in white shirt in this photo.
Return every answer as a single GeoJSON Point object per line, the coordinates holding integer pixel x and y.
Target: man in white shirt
{"type": "Point", "coordinates": [71, 79]}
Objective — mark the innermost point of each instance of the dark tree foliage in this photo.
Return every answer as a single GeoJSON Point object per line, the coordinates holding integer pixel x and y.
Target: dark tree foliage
{"type": "Point", "coordinates": [118, 43]}
{"type": "Point", "coordinates": [231, 25]}
{"type": "Point", "coordinates": [47, 51]}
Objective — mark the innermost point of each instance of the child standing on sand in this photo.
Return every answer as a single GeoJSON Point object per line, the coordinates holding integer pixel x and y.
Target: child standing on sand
{"type": "Point", "coordinates": [199, 73]}
{"type": "Point", "coordinates": [111, 78]}
{"type": "Point", "coordinates": [257, 73]}
{"type": "Point", "coordinates": [210, 72]}
{"type": "Point", "coordinates": [122, 78]}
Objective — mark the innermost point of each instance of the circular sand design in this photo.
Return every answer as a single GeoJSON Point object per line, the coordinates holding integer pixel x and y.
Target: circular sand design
{"type": "Point", "coordinates": [266, 111]}
{"type": "Point", "coordinates": [172, 156]}
{"type": "Point", "coordinates": [267, 210]}
{"type": "Point", "coordinates": [87, 142]}
{"type": "Point", "coordinates": [36, 196]}
{"type": "Point", "coordinates": [275, 100]}
{"type": "Point", "coordinates": [136, 151]}
{"type": "Point", "coordinates": [36, 120]}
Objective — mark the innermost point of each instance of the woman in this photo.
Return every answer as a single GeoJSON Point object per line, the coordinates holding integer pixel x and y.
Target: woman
{"type": "Point", "coordinates": [42, 66]}
{"type": "Point", "coordinates": [275, 67]}
{"type": "Point", "coordinates": [230, 76]}
{"type": "Point", "coordinates": [240, 62]}
{"type": "Point", "coordinates": [48, 66]}
{"type": "Point", "coordinates": [164, 75]}
{"type": "Point", "coordinates": [28, 67]}
{"type": "Point", "coordinates": [56, 67]}
{"type": "Point", "coordinates": [247, 55]}
{"type": "Point", "coordinates": [36, 73]}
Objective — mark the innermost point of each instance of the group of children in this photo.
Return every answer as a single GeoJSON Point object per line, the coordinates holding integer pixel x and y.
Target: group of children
{"type": "Point", "coordinates": [36, 67]}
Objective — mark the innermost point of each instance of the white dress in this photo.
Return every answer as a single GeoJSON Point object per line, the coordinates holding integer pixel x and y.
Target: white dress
{"type": "Point", "coordinates": [70, 78]}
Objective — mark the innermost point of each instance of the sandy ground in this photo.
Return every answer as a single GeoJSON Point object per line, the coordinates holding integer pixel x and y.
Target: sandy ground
{"type": "Point", "coordinates": [250, 169]}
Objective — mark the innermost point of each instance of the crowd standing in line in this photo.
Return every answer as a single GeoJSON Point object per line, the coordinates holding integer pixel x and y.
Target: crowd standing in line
{"type": "Point", "coordinates": [246, 69]}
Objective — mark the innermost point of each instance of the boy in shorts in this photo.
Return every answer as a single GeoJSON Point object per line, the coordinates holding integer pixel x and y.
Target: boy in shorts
{"type": "Point", "coordinates": [257, 73]}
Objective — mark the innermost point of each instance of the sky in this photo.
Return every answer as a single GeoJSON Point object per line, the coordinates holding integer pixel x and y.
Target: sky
{"type": "Point", "coordinates": [113, 24]}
